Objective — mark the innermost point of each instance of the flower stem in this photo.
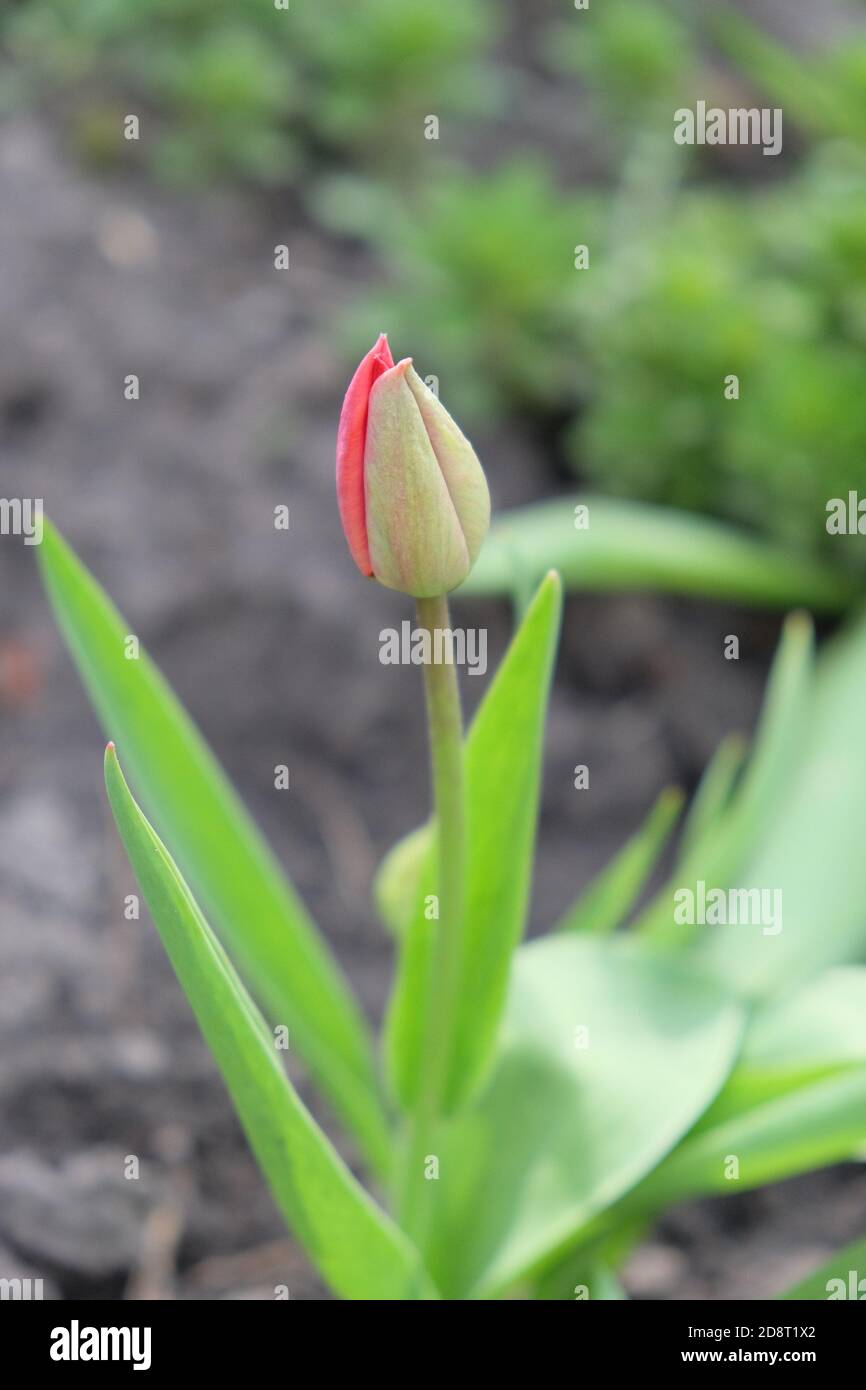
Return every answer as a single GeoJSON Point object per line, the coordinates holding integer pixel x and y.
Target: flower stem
{"type": "Point", "coordinates": [446, 754]}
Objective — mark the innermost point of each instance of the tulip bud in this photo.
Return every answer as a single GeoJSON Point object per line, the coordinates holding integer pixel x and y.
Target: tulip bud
{"type": "Point", "coordinates": [413, 497]}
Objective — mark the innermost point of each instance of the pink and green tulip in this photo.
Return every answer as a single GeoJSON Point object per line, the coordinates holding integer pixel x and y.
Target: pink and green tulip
{"type": "Point", "coordinates": [413, 497]}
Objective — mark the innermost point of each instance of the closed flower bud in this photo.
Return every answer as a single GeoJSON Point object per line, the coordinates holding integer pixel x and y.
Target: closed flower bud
{"type": "Point", "coordinates": [413, 497]}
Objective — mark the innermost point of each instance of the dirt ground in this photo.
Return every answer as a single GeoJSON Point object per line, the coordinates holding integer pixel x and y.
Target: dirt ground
{"type": "Point", "coordinates": [271, 640]}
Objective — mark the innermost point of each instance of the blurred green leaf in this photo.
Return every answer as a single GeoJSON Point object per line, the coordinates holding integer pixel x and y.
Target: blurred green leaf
{"type": "Point", "coordinates": [793, 1102]}
{"type": "Point", "coordinates": [219, 848]}
{"type": "Point", "coordinates": [839, 1267]}
{"type": "Point", "coordinates": [810, 845]}
{"type": "Point", "coordinates": [503, 764]}
{"type": "Point", "coordinates": [720, 855]}
{"type": "Point", "coordinates": [635, 546]}
{"type": "Point", "coordinates": [713, 796]}
{"type": "Point", "coordinates": [584, 1278]}
{"type": "Point", "coordinates": [809, 1127]}
{"type": "Point", "coordinates": [605, 904]}
{"type": "Point", "coordinates": [580, 1105]}
{"type": "Point", "coordinates": [820, 1026]}
{"type": "Point", "coordinates": [353, 1244]}
{"type": "Point", "coordinates": [796, 1040]}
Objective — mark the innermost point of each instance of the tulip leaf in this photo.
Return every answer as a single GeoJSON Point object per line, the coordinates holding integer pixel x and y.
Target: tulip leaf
{"type": "Point", "coordinates": [816, 1031]}
{"type": "Point", "coordinates": [808, 845]}
{"type": "Point", "coordinates": [607, 1058]}
{"type": "Point", "coordinates": [795, 1100]}
{"type": "Point", "coordinates": [587, 1271]}
{"type": "Point", "coordinates": [503, 763]}
{"type": "Point", "coordinates": [633, 545]}
{"type": "Point", "coordinates": [583, 1280]}
{"type": "Point", "coordinates": [719, 855]}
{"type": "Point", "coordinates": [713, 796]}
{"type": "Point", "coordinates": [842, 1276]}
{"type": "Point", "coordinates": [809, 1127]}
{"type": "Point", "coordinates": [353, 1244]}
{"type": "Point", "coordinates": [607, 901]}
{"type": "Point", "coordinates": [821, 1025]}
{"type": "Point", "coordinates": [249, 901]}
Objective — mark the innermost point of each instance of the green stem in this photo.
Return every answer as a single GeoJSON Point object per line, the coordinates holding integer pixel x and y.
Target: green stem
{"type": "Point", "coordinates": [446, 754]}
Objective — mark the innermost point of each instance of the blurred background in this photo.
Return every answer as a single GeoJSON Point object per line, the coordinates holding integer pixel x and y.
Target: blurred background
{"type": "Point", "coordinates": [310, 128]}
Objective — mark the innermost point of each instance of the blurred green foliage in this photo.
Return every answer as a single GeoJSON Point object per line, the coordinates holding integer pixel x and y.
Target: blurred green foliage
{"type": "Point", "coordinates": [631, 56]}
{"type": "Point", "coordinates": [692, 280]}
{"type": "Point", "coordinates": [250, 90]}
{"type": "Point", "coordinates": [703, 262]}
{"type": "Point", "coordinates": [824, 94]}
{"type": "Point", "coordinates": [481, 281]}
{"type": "Point", "coordinates": [769, 287]}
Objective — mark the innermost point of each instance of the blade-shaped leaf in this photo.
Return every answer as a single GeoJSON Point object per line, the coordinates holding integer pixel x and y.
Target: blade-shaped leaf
{"type": "Point", "coordinates": [632, 545]}
{"type": "Point", "coordinates": [713, 796]}
{"type": "Point", "coordinates": [802, 1129]}
{"type": "Point", "coordinates": [585, 1280]}
{"type": "Point", "coordinates": [820, 1026]}
{"type": "Point", "coordinates": [354, 1245]}
{"type": "Point", "coordinates": [809, 845]}
{"type": "Point", "coordinates": [611, 895]}
{"type": "Point", "coordinates": [795, 1100]}
{"type": "Point", "coordinates": [833, 1280]}
{"type": "Point", "coordinates": [608, 1056]}
{"type": "Point", "coordinates": [588, 1270]}
{"type": "Point", "coordinates": [503, 760]}
{"type": "Point", "coordinates": [720, 854]}
{"type": "Point", "coordinates": [799, 1038]}
{"type": "Point", "coordinates": [219, 848]}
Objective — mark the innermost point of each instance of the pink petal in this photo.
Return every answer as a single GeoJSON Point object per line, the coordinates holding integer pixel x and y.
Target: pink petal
{"type": "Point", "coordinates": [351, 437]}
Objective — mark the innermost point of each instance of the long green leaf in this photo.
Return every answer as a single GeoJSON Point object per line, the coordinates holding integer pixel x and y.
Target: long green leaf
{"type": "Point", "coordinates": [819, 1027]}
{"type": "Point", "coordinates": [581, 1279]}
{"type": "Point", "coordinates": [795, 1040]}
{"type": "Point", "coordinates": [503, 761]}
{"type": "Point", "coordinates": [219, 848]}
{"type": "Point", "coordinates": [721, 852]}
{"type": "Point", "coordinates": [608, 1057]}
{"type": "Point", "coordinates": [795, 1132]}
{"type": "Point", "coordinates": [833, 1280]}
{"type": "Point", "coordinates": [353, 1244]}
{"type": "Point", "coordinates": [713, 796]}
{"type": "Point", "coordinates": [631, 545]}
{"type": "Point", "coordinates": [795, 1100]}
{"type": "Point", "coordinates": [611, 895]}
{"type": "Point", "coordinates": [808, 846]}
{"type": "Point", "coordinates": [802, 1129]}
